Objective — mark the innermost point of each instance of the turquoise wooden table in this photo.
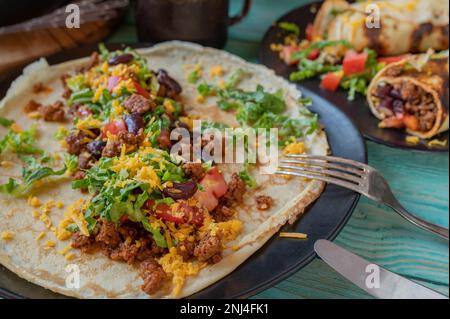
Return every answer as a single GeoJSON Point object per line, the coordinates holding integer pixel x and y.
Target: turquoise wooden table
{"type": "Point", "coordinates": [420, 181]}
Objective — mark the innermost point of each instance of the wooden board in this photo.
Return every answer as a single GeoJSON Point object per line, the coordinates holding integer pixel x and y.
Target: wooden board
{"type": "Point", "coordinates": [20, 48]}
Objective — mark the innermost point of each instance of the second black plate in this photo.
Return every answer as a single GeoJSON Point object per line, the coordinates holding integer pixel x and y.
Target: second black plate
{"type": "Point", "coordinates": [357, 110]}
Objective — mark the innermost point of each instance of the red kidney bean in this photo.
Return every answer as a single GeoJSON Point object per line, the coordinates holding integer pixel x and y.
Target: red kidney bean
{"type": "Point", "coordinates": [96, 148]}
{"type": "Point", "coordinates": [170, 84]}
{"type": "Point", "coordinates": [134, 122]}
{"type": "Point", "coordinates": [384, 90]}
{"type": "Point", "coordinates": [120, 59]}
{"type": "Point", "coordinates": [182, 190]}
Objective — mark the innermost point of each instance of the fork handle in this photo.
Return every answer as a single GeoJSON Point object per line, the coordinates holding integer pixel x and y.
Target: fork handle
{"type": "Point", "coordinates": [436, 229]}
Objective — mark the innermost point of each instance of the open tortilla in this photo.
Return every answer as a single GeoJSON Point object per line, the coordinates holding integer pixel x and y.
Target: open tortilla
{"type": "Point", "coordinates": [426, 76]}
{"type": "Point", "coordinates": [101, 277]}
{"type": "Point", "coordinates": [405, 25]}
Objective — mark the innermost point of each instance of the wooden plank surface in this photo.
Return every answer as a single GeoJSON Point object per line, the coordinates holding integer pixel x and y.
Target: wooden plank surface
{"type": "Point", "coordinates": [20, 48]}
{"type": "Point", "coordinates": [420, 181]}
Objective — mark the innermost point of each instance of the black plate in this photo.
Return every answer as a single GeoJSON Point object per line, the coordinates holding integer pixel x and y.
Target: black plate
{"type": "Point", "coordinates": [358, 110]}
{"type": "Point", "coordinates": [279, 258]}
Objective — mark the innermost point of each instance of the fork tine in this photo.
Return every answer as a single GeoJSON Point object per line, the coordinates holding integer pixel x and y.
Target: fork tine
{"type": "Point", "coordinates": [321, 163]}
{"type": "Point", "coordinates": [359, 165]}
{"type": "Point", "coordinates": [341, 175]}
{"type": "Point", "coordinates": [322, 178]}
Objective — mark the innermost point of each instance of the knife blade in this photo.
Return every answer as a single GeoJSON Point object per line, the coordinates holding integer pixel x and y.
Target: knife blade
{"type": "Point", "coordinates": [370, 277]}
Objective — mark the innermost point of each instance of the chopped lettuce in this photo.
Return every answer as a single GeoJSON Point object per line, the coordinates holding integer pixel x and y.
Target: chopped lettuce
{"type": "Point", "coordinates": [20, 142]}
{"type": "Point", "coordinates": [6, 122]}
{"type": "Point", "coordinates": [290, 27]}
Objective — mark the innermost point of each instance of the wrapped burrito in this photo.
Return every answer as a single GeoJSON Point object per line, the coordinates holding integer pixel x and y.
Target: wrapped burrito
{"type": "Point", "coordinates": [411, 26]}
{"type": "Point", "coordinates": [413, 94]}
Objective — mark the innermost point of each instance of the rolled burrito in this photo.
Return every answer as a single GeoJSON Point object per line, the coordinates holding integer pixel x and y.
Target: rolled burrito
{"type": "Point", "coordinates": [405, 26]}
{"type": "Point", "coordinates": [413, 94]}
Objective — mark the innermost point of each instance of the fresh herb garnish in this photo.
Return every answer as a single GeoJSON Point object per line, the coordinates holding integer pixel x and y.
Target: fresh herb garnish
{"type": "Point", "coordinates": [290, 27]}
{"type": "Point", "coordinates": [247, 177]}
{"type": "Point", "coordinates": [20, 142]}
{"type": "Point", "coordinates": [193, 77]}
{"type": "Point", "coordinates": [6, 122]}
{"type": "Point", "coordinates": [30, 176]}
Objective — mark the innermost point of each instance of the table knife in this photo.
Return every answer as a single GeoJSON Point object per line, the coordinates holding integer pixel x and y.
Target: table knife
{"type": "Point", "coordinates": [370, 277]}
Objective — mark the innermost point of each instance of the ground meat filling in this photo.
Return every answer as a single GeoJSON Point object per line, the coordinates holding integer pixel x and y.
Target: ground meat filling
{"type": "Point", "coordinates": [76, 142]}
{"type": "Point", "coordinates": [85, 243]}
{"type": "Point", "coordinates": [164, 139]}
{"type": "Point", "coordinates": [85, 160]}
{"type": "Point", "coordinates": [407, 105]}
{"type": "Point", "coordinates": [67, 91]}
{"type": "Point", "coordinates": [108, 235]}
{"type": "Point", "coordinates": [194, 170]}
{"type": "Point", "coordinates": [32, 106]}
{"type": "Point", "coordinates": [234, 196]}
{"type": "Point", "coordinates": [264, 202]}
{"type": "Point", "coordinates": [112, 148]}
{"type": "Point", "coordinates": [153, 276]}
{"type": "Point", "coordinates": [209, 248]}
{"type": "Point", "coordinates": [186, 249]}
{"type": "Point", "coordinates": [236, 190]}
{"type": "Point", "coordinates": [50, 113]}
{"type": "Point", "coordinates": [129, 243]}
{"type": "Point", "coordinates": [138, 104]}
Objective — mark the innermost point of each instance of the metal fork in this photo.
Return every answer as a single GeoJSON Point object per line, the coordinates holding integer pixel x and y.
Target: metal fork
{"type": "Point", "coordinates": [355, 176]}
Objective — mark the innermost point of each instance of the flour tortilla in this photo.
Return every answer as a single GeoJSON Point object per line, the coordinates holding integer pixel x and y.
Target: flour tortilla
{"type": "Point", "coordinates": [101, 277]}
{"type": "Point", "coordinates": [431, 73]}
{"type": "Point", "coordinates": [406, 26]}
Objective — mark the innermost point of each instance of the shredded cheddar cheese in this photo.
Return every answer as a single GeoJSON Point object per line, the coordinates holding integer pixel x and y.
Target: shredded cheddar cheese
{"type": "Point", "coordinates": [65, 250]}
{"type": "Point", "coordinates": [74, 214]}
{"type": "Point", "coordinates": [200, 98]}
{"type": "Point", "coordinates": [294, 148]}
{"type": "Point", "coordinates": [35, 214]}
{"type": "Point", "coordinates": [412, 139]}
{"type": "Point", "coordinates": [294, 235]}
{"type": "Point", "coordinates": [16, 128]}
{"type": "Point", "coordinates": [69, 256]}
{"type": "Point", "coordinates": [6, 164]}
{"type": "Point", "coordinates": [437, 142]}
{"type": "Point", "coordinates": [216, 70]}
{"type": "Point", "coordinates": [7, 235]}
{"type": "Point", "coordinates": [49, 244]}
{"type": "Point", "coordinates": [33, 201]}
{"type": "Point", "coordinates": [40, 236]}
{"type": "Point", "coordinates": [174, 266]}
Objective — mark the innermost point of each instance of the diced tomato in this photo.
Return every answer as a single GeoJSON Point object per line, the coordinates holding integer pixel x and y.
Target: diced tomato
{"type": "Point", "coordinates": [206, 199]}
{"type": "Point", "coordinates": [309, 31]}
{"type": "Point", "coordinates": [286, 54]}
{"type": "Point", "coordinates": [114, 128]}
{"type": "Point", "coordinates": [314, 54]}
{"type": "Point", "coordinates": [331, 81]}
{"type": "Point", "coordinates": [354, 62]}
{"type": "Point", "coordinates": [164, 212]}
{"type": "Point", "coordinates": [391, 59]}
{"type": "Point", "coordinates": [213, 187]}
{"type": "Point", "coordinates": [214, 182]}
{"type": "Point", "coordinates": [140, 90]}
{"type": "Point", "coordinates": [192, 214]}
{"type": "Point", "coordinates": [124, 218]}
{"type": "Point", "coordinates": [113, 81]}
{"type": "Point", "coordinates": [168, 217]}
{"type": "Point", "coordinates": [411, 122]}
